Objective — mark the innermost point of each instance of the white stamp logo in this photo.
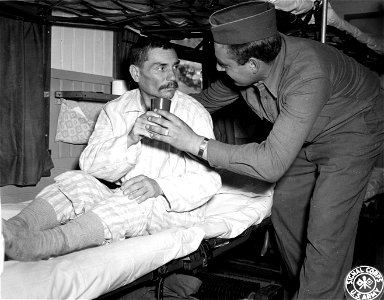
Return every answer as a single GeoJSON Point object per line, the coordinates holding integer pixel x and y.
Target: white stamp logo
{"type": "Point", "coordinates": [364, 283]}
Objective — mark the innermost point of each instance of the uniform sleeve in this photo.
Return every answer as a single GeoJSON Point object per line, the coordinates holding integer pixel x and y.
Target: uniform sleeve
{"type": "Point", "coordinates": [219, 94]}
{"type": "Point", "coordinates": [110, 153]}
{"type": "Point", "coordinates": [190, 189]}
{"type": "Point", "coordinates": [269, 160]}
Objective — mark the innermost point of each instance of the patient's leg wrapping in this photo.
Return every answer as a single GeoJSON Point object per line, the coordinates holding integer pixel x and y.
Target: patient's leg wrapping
{"type": "Point", "coordinates": [38, 215]}
{"type": "Point", "coordinates": [33, 245]}
{"type": "Point", "coordinates": [83, 232]}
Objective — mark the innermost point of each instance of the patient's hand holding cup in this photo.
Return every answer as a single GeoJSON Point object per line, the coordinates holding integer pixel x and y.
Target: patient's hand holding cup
{"type": "Point", "coordinates": [160, 103]}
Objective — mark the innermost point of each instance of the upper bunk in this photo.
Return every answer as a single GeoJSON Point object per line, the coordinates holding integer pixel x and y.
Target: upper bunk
{"type": "Point", "coordinates": [186, 19]}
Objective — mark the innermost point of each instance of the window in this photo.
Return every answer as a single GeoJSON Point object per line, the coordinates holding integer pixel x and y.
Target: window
{"type": "Point", "coordinates": [190, 77]}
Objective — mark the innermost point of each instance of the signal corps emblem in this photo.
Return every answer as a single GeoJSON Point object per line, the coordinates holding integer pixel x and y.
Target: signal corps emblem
{"type": "Point", "coordinates": [364, 283]}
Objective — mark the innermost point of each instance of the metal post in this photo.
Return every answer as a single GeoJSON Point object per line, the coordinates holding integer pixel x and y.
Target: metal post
{"type": "Point", "coordinates": [324, 21]}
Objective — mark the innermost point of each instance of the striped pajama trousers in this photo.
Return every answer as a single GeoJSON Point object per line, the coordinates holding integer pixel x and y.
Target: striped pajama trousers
{"type": "Point", "coordinates": [75, 193]}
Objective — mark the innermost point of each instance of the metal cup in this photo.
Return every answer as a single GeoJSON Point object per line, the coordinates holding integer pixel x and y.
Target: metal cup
{"type": "Point", "coordinates": [160, 103]}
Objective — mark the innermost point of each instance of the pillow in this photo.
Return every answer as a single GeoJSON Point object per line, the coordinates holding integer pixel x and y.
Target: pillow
{"type": "Point", "coordinates": [76, 121]}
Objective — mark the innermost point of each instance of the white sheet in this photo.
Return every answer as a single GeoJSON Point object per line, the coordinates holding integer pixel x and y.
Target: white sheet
{"type": "Point", "coordinates": [92, 272]}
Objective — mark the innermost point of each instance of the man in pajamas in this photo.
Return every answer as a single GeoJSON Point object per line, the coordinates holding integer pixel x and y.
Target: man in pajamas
{"type": "Point", "coordinates": [160, 186]}
{"type": "Point", "coordinates": [327, 114]}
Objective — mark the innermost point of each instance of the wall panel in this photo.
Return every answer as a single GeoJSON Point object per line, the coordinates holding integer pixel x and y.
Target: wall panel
{"type": "Point", "coordinates": [82, 50]}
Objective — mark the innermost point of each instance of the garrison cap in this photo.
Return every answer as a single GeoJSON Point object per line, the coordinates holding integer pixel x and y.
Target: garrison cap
{"type": "Point", "coordinates": [244, 22]}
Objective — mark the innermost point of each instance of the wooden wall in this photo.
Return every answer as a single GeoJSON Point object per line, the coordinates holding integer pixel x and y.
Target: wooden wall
{"type": "Point", "coordinates": [82, 50]}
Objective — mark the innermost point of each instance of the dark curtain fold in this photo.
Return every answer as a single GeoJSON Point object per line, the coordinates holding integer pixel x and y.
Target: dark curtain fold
{"type": "Point", "coordinates": [124, 39]}
{"type": "Point", "coordinates": [24, 107]}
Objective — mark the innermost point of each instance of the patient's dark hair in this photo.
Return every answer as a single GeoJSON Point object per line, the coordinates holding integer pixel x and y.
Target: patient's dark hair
{"type": "Point", "coordinates": [265, 50]}
{"type": "Point", "coordinates": [139, 51]}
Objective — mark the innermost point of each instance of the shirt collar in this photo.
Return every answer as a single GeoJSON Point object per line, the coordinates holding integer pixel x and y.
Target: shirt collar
{"type": "Point", "coordinates": [273, 79]}
{"type": "Point", "coordinates": [132, 101]}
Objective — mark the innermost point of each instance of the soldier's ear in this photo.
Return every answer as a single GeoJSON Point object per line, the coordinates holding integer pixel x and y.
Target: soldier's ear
{"type": "Point", "coordinates": [254, 64]}
{"type": "Point", "coordinates": [135, 72]}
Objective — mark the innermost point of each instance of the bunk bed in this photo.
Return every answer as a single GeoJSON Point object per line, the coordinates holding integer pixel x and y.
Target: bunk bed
{"type": "Point", "coordinates": [103, 271]}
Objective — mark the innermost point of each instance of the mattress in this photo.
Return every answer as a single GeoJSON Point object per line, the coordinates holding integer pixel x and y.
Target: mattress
{"type": "Point", "coordinates": [92, 272]}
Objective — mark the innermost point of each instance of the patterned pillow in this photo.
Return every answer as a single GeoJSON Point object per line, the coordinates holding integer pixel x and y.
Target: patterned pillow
{"type": "Point", "coordinates": [76, 121]}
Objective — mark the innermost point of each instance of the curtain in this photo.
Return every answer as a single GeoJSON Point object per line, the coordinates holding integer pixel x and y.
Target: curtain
{"type": "Point", "coordinates": [124, 39]}
{"type": "Point", "coordinates": [24, 107]}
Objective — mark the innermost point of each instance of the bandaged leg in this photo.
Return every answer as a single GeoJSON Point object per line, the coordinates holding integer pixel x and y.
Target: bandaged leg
{"type": "Point", "coordinates": [32, 245]}
{"type": "Point", "coordinates": [85, 231]}
{"type": "Point", "coordinates": [38, 215]}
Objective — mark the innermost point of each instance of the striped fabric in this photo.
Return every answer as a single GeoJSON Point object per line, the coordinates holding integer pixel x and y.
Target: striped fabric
{"type": "Point", "coordinates": [110, 155]}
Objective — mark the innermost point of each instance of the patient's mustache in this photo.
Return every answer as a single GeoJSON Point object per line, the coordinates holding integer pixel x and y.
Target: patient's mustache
{"type": "Point", "coordinates": [171, 84]}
